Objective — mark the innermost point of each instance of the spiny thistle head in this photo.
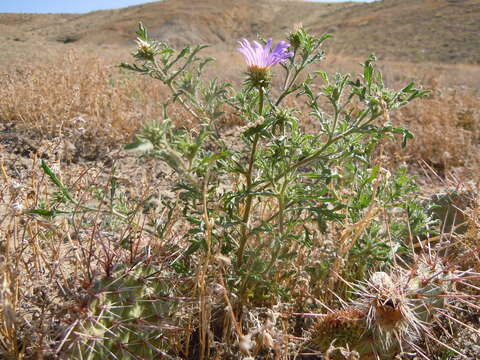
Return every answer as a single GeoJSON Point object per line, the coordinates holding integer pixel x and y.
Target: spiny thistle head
{"type": "Point", "coordinates": [258, 77]}
{"type": "Point", "coordinates": [260, 59]}
{"type": "Point", "coordinates": [284, 114]}
{"type": "Point", "coordinates": [284, 118]}
{"type": "Point", "coordinates": [297, 36]}
{"type": "Point", "coordinates": [146, 49]}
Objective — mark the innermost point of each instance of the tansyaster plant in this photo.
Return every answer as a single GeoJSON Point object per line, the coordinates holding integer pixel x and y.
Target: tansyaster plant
{"type": "Point", "coordinates": [287, 185]}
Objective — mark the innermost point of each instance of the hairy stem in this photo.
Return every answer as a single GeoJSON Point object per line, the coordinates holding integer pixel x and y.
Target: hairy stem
{"type": "Point", "coordinates": [174, 90]}
{"type": "Point", "coordinates": [202, 285]}
{"type": "Point", "coordinates": [281, 206]}
{"type": "Point", "coordinates": [281, 210]}
{"type": "Point", "coordinates": [248, 204]}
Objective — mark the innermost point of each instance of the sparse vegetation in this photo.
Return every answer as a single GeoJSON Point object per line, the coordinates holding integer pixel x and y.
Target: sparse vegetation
{"type": "Point", "coordinates": [228, 229]}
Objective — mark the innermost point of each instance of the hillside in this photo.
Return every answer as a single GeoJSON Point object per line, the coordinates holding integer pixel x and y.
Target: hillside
{"type": "Point", "coordinates": [288, 221]}
{"type": "Point", "coordinates": [443, 31]}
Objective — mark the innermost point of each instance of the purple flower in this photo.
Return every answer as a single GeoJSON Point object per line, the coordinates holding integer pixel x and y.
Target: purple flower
{"type": "Point", "coordinates": [261, 57]}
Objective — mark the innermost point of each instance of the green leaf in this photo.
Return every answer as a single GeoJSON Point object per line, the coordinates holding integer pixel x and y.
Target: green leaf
{"type": "Point", "coordinates": [136, 68]}
{"type": "Point", "coordinates": [368, 71]}
{"type": "Point", "coordinates": [195, 246]}
{"type": "Point", "coordinates": [324, 37]}
{"type": "Point", "coordinates": [373, 175]}
{"type": "Point", "coordinates": [184, 52]}
{"type": "Point", "coordinates": [408, 88]}
{"type": "Point", "coordinates": [46, 213]}
{"type": "Point", "coordinates": [142, 32]}
{"type": "Point", "coordinates": [407, 135]}
{"type": "Point", "coordinates": [56, 180]}
{"type": "Point", "coordinates": [139, 144]}
{"type": "Point", "coordinates": [324, 76]}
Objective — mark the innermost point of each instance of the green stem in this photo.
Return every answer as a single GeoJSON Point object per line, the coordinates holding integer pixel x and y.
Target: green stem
{"type": "Point", "coordinates": [173, 90]}
{"type": "Point", "coordinates": [260, 100]}
{"type": "Point", "coordinates": [288, 85]}
{"type": "Point", "coordinates": [248, 204]}
{"type": "Point", "coordinates": [287, 91]}
{"type": "Point", "coordinates": [337, 113]}
{"type": "Point", "coordinates": [317, 154]}
{"type": "Point", "coordinates": [281, 210]}
{"type": "Point", "coordinates": [281, 205]}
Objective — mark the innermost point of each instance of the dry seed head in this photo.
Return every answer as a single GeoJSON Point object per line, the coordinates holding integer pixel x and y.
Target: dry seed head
{"type": "Point", "coordinates": [223, 260]}
{"type": "Point", "coordinates": [245, 343]}
{"type": "Point", "coordinates": [266, 340]}
{"type": "Point", "coordinates": [344, 352]}
{"type": "Point", "coordinates": [17, 207]}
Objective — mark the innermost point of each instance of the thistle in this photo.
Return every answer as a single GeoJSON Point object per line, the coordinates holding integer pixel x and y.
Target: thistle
{"type": "Point", "coordinates": [297, 36]}
{"type": "Point", "coordinates": [145, 49]}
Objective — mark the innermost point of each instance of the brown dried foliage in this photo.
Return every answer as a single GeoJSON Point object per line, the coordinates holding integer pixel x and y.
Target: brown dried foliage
{"type": "Point", "coordinates": [78, 95]}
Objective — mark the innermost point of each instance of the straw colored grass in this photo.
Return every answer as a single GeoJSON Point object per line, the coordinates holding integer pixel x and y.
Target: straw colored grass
{"type": "Point", "coordinates": [89, 99]}
{"type": "Point", "coordinates": [82, 94]}
{"type": "Point", "coordinates": [50, 264]}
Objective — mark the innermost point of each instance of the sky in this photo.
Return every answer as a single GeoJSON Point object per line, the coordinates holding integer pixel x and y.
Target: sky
{"type": "Point", "coordinates": [62, 6]}
{"type": "Point", "coordinates": [74, 6]}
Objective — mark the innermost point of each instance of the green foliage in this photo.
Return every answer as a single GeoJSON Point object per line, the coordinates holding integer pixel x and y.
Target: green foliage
{"type": "Point", "coordinates": [263, 196]}
{"type": "Point", "coordinates": [285, 190]}
{"type": "Point", "coordinates": [63, 194]}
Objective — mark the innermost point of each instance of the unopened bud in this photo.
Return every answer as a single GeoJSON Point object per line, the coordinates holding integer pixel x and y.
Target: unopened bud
{"type": "Point", "coordinates": [145, 49]}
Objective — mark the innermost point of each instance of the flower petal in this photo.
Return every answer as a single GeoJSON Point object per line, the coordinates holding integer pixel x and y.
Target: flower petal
{"type": "Point", "coordinates": [246, 49]}
{"type": "Point", "coordinates": [261, 56]}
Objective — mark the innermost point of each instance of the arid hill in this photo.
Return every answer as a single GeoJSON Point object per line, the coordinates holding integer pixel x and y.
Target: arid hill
{"type": "Point", "coordinates": [444, 31]}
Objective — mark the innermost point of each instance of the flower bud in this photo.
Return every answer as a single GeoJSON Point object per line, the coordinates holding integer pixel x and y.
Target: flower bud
{"type": "Point", "coordinates": [295, 37]}
{"type": "Point", "coordinates": [145, 49]}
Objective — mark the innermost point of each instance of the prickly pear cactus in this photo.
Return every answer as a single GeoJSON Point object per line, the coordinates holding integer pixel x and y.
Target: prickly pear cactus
{"type": "Point", "coordinates": [129, 317]}
{"type": "Point", "coordinates": [392, 310]}
{"type": "Point", "coordinates": [342, 327]}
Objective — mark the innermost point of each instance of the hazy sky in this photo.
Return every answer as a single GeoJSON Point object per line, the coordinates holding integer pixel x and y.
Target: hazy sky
{"type": "Point", "coordinates": [76, 6]}
{"type": "Point", "coordinates": [72, 6]}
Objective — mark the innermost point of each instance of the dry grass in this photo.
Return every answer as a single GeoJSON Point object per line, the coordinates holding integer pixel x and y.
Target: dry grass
{"type": "Point", "coordinates": [447, 131]}
{"type": "Point", "coordinates": [79, 96]}
{"type": "Point", "coordinates": [51, 264]}
{"type": "Point", "coordinates": [89, 100]}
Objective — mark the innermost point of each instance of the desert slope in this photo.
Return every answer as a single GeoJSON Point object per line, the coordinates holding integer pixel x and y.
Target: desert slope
{"type": "Point", "coordinates": [411, 30]}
